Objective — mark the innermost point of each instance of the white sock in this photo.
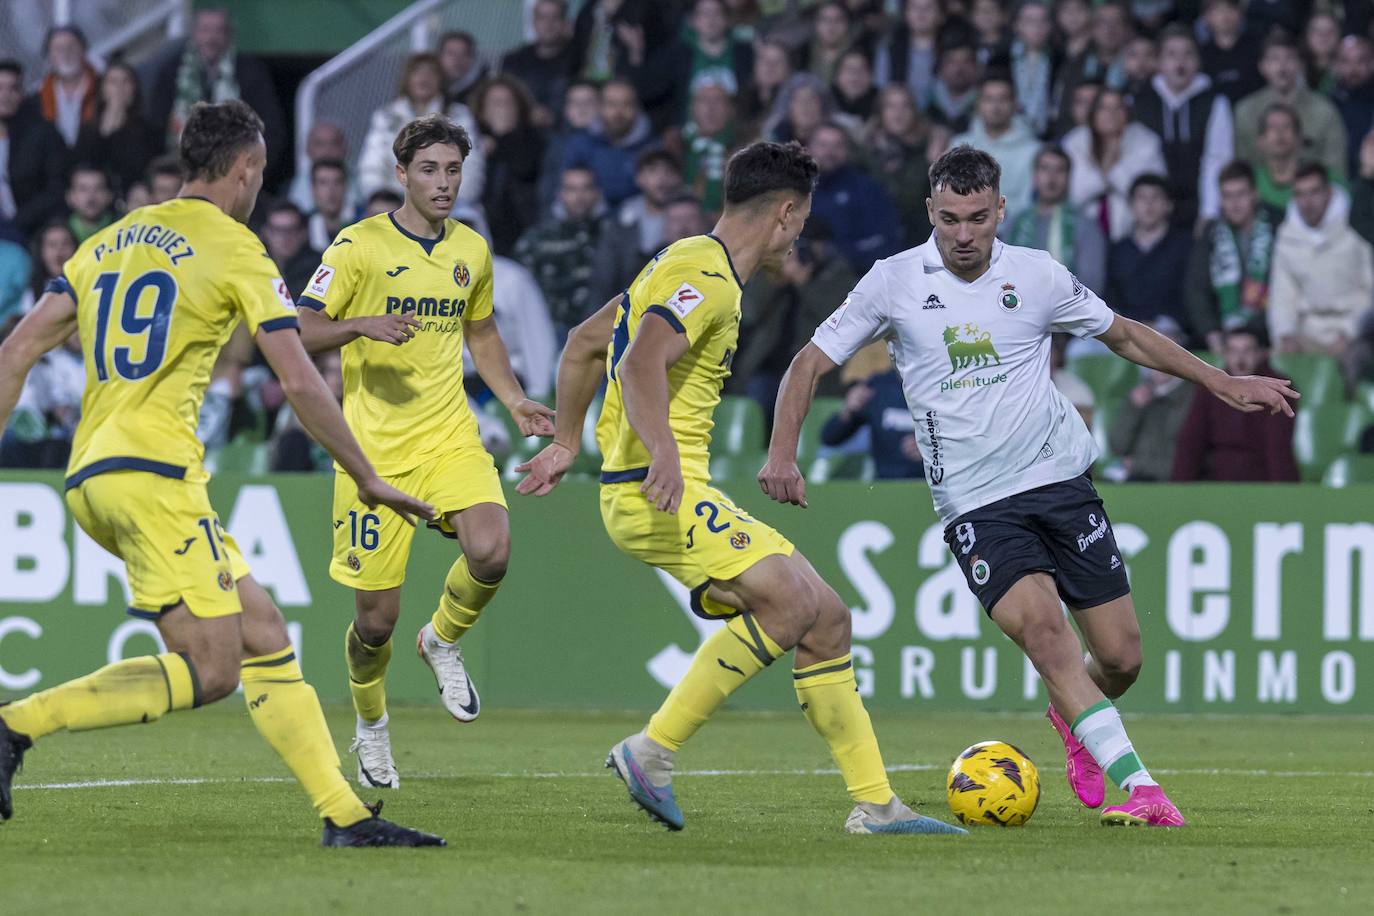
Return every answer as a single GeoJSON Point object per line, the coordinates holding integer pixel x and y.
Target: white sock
{"type": "Point", "coordinates": [379, 725]}
{"type": "Point", "coordinates": [1100, 730]}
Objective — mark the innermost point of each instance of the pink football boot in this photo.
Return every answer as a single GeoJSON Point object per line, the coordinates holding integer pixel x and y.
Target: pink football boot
{"type": "Point", "coordinates": [1085, 776]}
{"type": "Point", "coordinates": [1148, 806]}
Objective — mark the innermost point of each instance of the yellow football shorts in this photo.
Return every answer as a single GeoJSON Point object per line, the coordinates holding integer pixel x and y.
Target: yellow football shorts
{"type": "Point", "coordinates": [372, 546]}
{"type": "Point", "coordinates": [169, 538]}
{"type": "Point", "coordinates": [710, 538]}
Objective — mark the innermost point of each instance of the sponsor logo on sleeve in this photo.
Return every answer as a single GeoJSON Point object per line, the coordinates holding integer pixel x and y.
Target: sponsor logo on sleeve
{"type": "Point", "coordinates": [283, 294]}
{"type": "Point", "coordinates": [833, 322]}
{"type": "Point", "coordinates": [685, 299]}
{"type": "Point", "coordinates": [319, 283]}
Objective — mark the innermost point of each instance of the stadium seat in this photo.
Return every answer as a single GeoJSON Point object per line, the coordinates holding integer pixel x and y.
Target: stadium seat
{"type": "Point", "coordinates": [1319, 435]}
{"type": "Point", "coordinates": [242, 456]}
{"type": "Point", "coordinates": [1316, 376]}
{"type": "Point", "coordinates": [1349, 469]}
{"type": "Point", "coordinates": [1109, 376]}
{"type": "Point", "coordinates": [739, 466]}
{"type": "Point", "coordinates": [840, 466]}
{"type": "Point", "coordinates": [822, 409]}
{"type": "Point", "coordinates": [739, 426]}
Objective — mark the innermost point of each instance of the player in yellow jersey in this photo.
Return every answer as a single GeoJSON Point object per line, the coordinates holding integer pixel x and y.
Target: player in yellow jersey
{"type": "Point", "coordinates": [154, 297]}
{"type": "Point", "coordinates": [400, 292]}
{"type": "Point", "coordinates": [665, 346]}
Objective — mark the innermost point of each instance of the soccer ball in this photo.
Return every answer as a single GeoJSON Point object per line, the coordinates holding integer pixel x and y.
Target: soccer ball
{"type": "Point", "coordinates": [993, 783]}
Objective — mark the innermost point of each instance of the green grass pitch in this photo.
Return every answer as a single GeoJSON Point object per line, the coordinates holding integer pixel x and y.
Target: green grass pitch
{"type": "Point", "coordinates": [1280, 810]}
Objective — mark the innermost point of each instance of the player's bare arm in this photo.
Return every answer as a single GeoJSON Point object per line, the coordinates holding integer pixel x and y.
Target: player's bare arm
{"type": "Point", "coordinates": [52, 321]}
{"type": "Point", "coordinates": [780, 477]}
{"type": "Point", "coordinates": [580, 370]}
{"type": "Point", "coordinates": [644, 386]}
{"type": "Point", "coordinates": [320, 332]}
{"type": "Point", "coordinates": [319, 413]}
{"type": "Point", "coordinates": [493, 364]}
{"type": "Point", "coordinates": [1146, 347]}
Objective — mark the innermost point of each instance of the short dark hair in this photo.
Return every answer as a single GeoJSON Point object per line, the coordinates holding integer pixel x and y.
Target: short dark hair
{"type": "Point", "coordinates": [1177, 30]}
{"type": "Point", "coordinates": [1237, 170]}
{"type": "Point", "coordinates": [964, 170]}
{"type": "Point", "coordinates": [384, 195]}
{"type": "Point", "coordinates": [165, 165]}
{"type": "Point", "coordinates": [214, 136]}
{"type": "Point", "coordinates": [1151, 180]}
{"type": "Point", "coordinates": [10, 65]}
{"type": "Point", "coordinates": [1312, 169]}
{"type": "Point", "coordinates": [71, 30]}
{"type": "Point", "coordinates": [1274, 108]}
{"type": "Point", "coordinates": [457, 35]}
{"type": "Point", "coordinates": [88, 168]}
{"type": "Point", "coordinates": [285, 206]}
{"type": "Point", "coordinates": [657, 155]}
{"type": "Point", "coordinates": [764, 167]}
{"type": "Point", "coordinates": [1051, 149]}
{"type": "Point", "coordinates": [320, 165]}
{"type": "Point", "coordinates": [1278, 37]}
{"type": "Point", "coordinates": [997, 75]}
{"type": "Point", "coordinates": [427, 131]}
{"type": "Point", "coordinates": [1255, 329]}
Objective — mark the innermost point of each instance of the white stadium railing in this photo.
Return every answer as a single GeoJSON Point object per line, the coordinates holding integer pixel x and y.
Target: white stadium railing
{"type": "Point", "coordinates": [113, 27]}
{"type": "Point", "coordinates": [363, 77]}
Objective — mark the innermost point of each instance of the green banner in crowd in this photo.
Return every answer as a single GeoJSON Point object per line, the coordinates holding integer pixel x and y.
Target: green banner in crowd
{"type": "Point", "coordinates": [1251, 598]}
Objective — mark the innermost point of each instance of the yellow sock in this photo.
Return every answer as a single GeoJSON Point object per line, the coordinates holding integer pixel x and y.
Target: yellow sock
{"type": "Point", "coordinates": [140, 689]}
{"type": "Point", "coordinates": [462, 601]}
{"type": "Point", "coordinates": [830, 698]}
{"type": "Point", "coordinates": [287, 713]}
{"type": "Point", "coordinates": [729, 657]}
{"type": "Point", "coordinates": [367, 674]}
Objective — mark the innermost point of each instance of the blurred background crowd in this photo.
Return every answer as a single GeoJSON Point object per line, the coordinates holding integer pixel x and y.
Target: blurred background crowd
{"type": "Point", "coordinates": [1207, 166]}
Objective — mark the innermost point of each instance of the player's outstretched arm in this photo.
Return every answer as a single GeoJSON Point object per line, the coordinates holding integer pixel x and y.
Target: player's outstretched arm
{"type": "Point", "coordinates": [1146, 347]}
{"type": "Point", "coordinates": [321, 332]}
{"type": "Point", "coordinates": [580, 371]}
{"type": "Point", "coordinates": [493, 364]}
{"type": "Point", "coordinates": [52, 321]}
{"type": "Point", "coordinates": [643, 372]}
{"type": "Point", "coordinates": [319, 413]}
{"type": "Point", "coordinates": [780, 478]}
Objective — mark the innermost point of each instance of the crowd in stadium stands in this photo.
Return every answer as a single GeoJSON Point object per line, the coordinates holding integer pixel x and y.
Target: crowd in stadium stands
{"type": "Point", "coordinates": [1206, 165]}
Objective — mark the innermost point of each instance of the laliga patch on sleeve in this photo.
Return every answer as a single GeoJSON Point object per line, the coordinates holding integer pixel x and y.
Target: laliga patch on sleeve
{"type": "Point", "coordinates": [319, 283]}
{"type": "Point", "coordinates": [685, 299]}
{"type": "Point", "coordinates": [283, 294]}
{"type": "Point", "coordinates": [833, 322]}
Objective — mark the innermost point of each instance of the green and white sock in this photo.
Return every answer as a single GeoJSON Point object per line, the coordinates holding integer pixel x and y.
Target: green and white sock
{"type": "Point", "coordinates": [1100, 730]}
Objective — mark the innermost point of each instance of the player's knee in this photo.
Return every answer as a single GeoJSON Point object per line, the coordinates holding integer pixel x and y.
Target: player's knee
{"type": "Point", "coordinates": [216, 671]}
{"type": "Point", "coordinates": [489, 558]}
{"type": "Point", "coordinates": [1122, 664]}
{"type": "Point", "coordinates": [1049, 641]}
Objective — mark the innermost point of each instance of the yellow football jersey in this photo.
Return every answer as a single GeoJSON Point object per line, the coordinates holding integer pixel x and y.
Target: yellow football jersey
{"type": "Point", "coordinates": [405, 403]}
{"type": "Point", "coordinates": [692, 285]}
{"type": "Point", "coordinates": [158, 293]}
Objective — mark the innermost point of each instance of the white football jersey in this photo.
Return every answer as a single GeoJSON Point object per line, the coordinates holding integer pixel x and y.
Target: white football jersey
{"type": "Point", "coordinates": [975, 365]}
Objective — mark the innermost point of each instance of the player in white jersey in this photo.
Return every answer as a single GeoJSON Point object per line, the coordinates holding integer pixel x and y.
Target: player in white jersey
{"type": "Point", "coordinates": [968, 320]}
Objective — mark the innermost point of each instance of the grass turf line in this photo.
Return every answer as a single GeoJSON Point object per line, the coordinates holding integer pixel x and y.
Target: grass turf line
{"type": "Point", "coordinates": [754, 842]}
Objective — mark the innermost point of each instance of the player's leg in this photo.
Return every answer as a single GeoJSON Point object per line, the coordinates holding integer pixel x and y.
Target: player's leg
{"type": "Point", "coordinates": [367, 653]}
{"type": "Point", "coordinates": [1031, 615]}
{"type": "Point", "coordinates": [466, 488]}
{"type": "Point", "coordinates": [286, 712]}
{"type": "Point", "coordinates": [483, 532]}
{"type": "Point", "coordinates": [370, 553]}
{"type": "Point", "coordinates": [1112, 635]}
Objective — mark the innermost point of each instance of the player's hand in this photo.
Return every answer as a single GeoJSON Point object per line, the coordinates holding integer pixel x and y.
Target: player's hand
{"type": "Point", "coordinates": [545, 470]}
{"type": "Point", "coordinates": [378, 492]}
{"type": "Point", "coordinates": [393, 329]}
{"type": "Point", "coordinates": [533, 418]}
{"type": "Point", "coordinates": [664, 484]}
{"type": "Point", "coordinates": [782, 480]}
{"type": "Point", "coordinates": [1248, 393]}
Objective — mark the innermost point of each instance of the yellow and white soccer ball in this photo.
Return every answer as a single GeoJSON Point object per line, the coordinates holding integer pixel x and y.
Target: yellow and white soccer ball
{"type": "Point", "coordinates": [993, 783]}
